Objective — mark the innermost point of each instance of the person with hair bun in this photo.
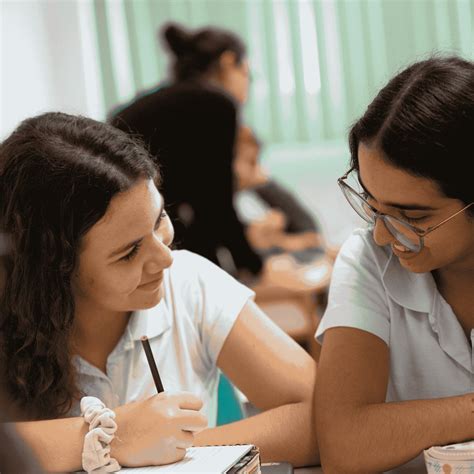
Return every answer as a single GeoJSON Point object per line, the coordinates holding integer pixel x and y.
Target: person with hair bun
{"type": "Point", "coordinates": [87, 271]}
{"type": "Point", "coordinates": [190, 126]}
{"type": "Point", "coordinates": [396, 373]}
{"type": "Point", "coordinates": [211, 55]}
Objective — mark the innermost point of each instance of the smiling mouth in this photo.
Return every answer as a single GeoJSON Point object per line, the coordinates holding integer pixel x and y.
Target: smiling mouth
{"type": "Point", "coordinates": [402, 252]}
{"type": "Point", "coordinates": [151, 285]}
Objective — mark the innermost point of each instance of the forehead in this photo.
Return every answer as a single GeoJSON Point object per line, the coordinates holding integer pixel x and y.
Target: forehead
{"type": "Point", "coordinates": [387, 183]}
{"type": "Point", "coordinates": [130, 215]}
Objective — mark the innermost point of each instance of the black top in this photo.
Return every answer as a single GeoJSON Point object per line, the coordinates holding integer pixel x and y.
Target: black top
{"type": "Point", "coordinates": [298, 218]}
{"type": "Point", "coordinates": [190, 129]}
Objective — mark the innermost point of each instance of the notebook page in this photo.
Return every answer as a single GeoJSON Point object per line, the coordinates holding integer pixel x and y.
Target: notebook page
{"type": "Point", "coordinates": [202, 459]}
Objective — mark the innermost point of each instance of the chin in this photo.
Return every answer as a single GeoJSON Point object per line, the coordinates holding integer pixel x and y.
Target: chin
{"type": "Point", "coordinates": [415, 265]}
{"type": "Point", "coordinates": [149, 301]}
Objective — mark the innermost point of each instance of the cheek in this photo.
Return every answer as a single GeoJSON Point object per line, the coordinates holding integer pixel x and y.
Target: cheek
{"type": "Point", "coordinates": [442, 248]}
{"type": "Point", "coordinates": [107, 283]}
{"type": "Point", "coordinates": [123, 280]}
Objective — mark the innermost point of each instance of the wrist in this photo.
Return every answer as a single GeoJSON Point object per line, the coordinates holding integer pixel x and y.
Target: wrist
{"type": "Point", "coordinates": [102, 426]}
{"type": "Point", "coordinates": [119, 443]}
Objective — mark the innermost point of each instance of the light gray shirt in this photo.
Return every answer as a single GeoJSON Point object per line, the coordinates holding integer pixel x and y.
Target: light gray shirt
{"type": "Point", "coordinates": [430, 356]}
{"type": "Point", "coordinates": [187, 330]}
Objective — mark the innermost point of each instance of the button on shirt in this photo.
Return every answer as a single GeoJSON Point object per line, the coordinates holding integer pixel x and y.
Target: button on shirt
{"type": "Point", "coordinates": [430, 356]}
{"type": "Point", "coordinates": [187, 330]}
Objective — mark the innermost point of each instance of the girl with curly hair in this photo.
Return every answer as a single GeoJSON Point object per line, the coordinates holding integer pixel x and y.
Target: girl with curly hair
{"type": "Point", "coordinates": [88, 270]}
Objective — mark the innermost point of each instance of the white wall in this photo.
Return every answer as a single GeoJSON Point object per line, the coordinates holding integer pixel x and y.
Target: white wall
{"type": "Point", "coordinates": [48, 60]}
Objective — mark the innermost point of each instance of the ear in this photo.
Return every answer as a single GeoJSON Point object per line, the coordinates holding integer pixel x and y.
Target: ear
{"type": "Point", "coordinates": [227, 60]}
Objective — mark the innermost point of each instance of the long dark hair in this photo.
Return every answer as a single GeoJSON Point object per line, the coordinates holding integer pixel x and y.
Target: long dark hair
{"type": "Point", "coordinates": [196, 53]}
{"type": "Point", "coordinates": [423, 121]}
{"type": "Point", "coordinates": [58, 174]}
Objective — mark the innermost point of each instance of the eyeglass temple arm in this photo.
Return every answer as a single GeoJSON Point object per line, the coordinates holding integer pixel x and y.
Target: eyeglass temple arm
{"type": "Point", "coordinates": [347, 174]}
{"type": "Point", "coordinates": [449, 218]}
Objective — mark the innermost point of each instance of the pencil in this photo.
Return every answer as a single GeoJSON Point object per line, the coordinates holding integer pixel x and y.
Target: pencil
{"type": "Point", "coordinates": [152, 364]}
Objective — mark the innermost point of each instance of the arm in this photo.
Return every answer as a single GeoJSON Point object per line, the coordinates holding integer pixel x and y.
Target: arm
{"type": "Point", "coordinates": [44, 438]}
{"type": "Point", "coordinates": [277, 376]}
{"type": "Point", "coordinates": [299, 219]}
{"type": "Point", "coordinates": [350, 408]}
{"type": "Point", "coordinates": [150, 432]}
{"type": "Point", "coordinates": [301, 241]}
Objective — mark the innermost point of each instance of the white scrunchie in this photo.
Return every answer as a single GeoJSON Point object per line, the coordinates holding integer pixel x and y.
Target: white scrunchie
{"type": "Point", "coordinates": [96, 451]}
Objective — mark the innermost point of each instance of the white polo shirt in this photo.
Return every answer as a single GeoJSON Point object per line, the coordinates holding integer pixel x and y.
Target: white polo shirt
{"type": "Point", "coordinates": [430, 356]}
{"type": "Point", "coordinates": [187, 330]}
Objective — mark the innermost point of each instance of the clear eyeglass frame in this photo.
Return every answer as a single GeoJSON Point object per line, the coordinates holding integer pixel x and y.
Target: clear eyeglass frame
{"type": "Point", "coordinates": [401, 230]}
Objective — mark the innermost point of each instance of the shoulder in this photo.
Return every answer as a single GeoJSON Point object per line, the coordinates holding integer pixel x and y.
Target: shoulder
{"type": "Point", "coordinates": [359, 271]}
{"type": "Point", "coordinates": [191, 262]}
{"type": "Point", "coordinates": [357, 294]}
{"type": "Point", "coordinates": [207, 292]}
{"type": "Point", "coordinates": [361, 251]}
{"type": "Point", "coordinates": [189, 268]}
{"type": "Point", "coordinates": [144, 100]}
{"type": "Point", "coordinates": [189, 92]}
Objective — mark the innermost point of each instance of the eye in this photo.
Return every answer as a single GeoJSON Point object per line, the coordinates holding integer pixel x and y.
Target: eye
{"type": "Point", "coordinates": [137, 246]}
{"type": "Point", "coordinates": [413, 220]}
{"type": "Point", "coordinates": [132, 252]}
{"type": "Point", "coordinates": [369, 201]}
{"type": "Point", "coordinates": [160, 219]}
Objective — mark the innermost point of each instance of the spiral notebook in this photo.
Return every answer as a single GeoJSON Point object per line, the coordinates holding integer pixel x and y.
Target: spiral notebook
{"type": "Point", "coordinates": [238, 459]}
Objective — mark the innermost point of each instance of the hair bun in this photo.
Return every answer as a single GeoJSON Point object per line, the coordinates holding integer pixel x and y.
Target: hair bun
{"type": "Point", "coordinates": [177, 38]}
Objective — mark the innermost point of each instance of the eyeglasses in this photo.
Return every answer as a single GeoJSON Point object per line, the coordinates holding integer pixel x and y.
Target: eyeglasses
{"type": "Point", "coordinates": [406, 234]}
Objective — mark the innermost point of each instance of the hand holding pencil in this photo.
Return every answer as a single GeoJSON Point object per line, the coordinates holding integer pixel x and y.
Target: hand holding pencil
{"type": "Point", "coordinates": [161, 427]}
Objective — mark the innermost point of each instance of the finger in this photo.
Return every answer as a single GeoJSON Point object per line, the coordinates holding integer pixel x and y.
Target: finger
{"type": "Point", "coordinates": [189, 401]}
{"type": "Point", "coordinates": [190, 420]}
{"type": "Point", "coordinates": [180, 453]}
{"type": "Point", "coordinates": [185, 439]}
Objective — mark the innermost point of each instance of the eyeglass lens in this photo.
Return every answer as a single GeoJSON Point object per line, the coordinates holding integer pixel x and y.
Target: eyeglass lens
{"type": "Point", "coordinates": [403, 233]}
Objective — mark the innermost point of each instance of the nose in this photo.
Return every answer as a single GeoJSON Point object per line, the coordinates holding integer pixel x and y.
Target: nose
{"type": "Point", "coordinates": [160, 257]}
{"type": "Point", "coordinates": [382, 235]}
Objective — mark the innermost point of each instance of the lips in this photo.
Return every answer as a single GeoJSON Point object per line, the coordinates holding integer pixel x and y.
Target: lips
{"type": "Point", "coordinates": [399, 251]}
{"type": "Point", "coordinates": [151, 285]}
{"type": "Point", "coordinates": [400, 248]}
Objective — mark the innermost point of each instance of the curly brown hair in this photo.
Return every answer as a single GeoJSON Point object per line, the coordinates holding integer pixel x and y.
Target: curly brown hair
{"type": "Point", "coordinates": [58, 174]}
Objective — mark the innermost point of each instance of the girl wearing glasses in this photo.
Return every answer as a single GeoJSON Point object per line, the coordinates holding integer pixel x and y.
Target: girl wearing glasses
{"type": "Point", "coordinates": [396, 372]}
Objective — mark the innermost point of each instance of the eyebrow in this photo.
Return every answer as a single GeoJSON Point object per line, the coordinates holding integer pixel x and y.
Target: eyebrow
{"type": "Point", "coordinates": [137, 241]}
{"type": "Point", "coordinates": [406, 207]}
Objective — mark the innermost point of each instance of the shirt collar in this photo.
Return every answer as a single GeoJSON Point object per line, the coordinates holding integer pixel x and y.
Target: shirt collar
{"type": "Point", "coordinates": [415, 291]}
{"type": "Point", "coordinates": [418, 292]}
{"type": "Point", "coordinates": [147, 322]}
{"type": "Point", "coordinates": [150, 322]}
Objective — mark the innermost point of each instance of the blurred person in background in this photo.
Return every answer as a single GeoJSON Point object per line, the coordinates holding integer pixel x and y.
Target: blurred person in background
{"type": "Point", "coordinates": [276, 219]}
{"type": "Point", "coordinates": [189, 125]}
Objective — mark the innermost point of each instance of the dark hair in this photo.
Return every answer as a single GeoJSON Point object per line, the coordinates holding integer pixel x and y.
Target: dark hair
{"type": "Point", "coordinates": [197, 52]}
{"type": "Point", "coordinates": [58, 174]}
{"type": "Point", "coordinates": [423, 121]}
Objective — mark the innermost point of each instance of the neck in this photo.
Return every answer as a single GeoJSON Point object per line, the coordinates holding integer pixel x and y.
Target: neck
{"type": "Point", "coordinates": [97, 332]}
{"type": "Point", "coordinates": [460, 274]}
{"type": "Point", "coordinates": [455, 284]}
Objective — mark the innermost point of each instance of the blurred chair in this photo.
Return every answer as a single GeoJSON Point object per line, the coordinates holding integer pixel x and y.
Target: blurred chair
{"type": "Point", "coordinates": [229, 408]}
